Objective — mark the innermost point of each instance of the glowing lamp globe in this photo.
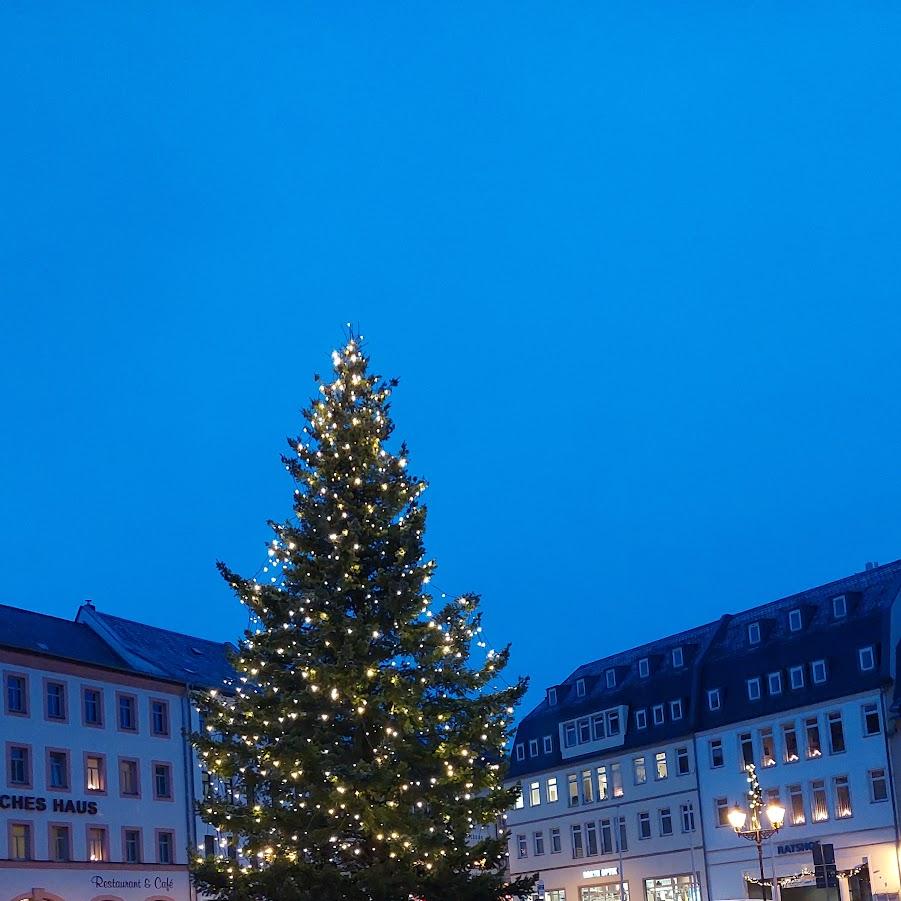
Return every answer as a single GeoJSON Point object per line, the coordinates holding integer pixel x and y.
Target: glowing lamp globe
{"type": "Point", "coordinates": [775, 814]}
{"type": "Point", "coordinates": [737, 818]}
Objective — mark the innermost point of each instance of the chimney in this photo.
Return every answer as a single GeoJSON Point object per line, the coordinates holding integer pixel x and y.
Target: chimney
{"type": "Point", "coordinates": [872, 564]}
{"type": "Point", "coordinates": [89, 603]}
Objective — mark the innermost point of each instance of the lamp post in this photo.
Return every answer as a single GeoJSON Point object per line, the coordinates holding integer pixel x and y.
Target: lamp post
{"type": "Point", "coordinates": [755, 831]}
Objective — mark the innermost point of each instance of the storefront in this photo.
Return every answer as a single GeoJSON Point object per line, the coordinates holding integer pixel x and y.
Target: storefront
{"type": "Point", "coordinates": [672, 888]}
{"type": "Point", "coordinates": [84, 882]}
{"type": "Point", "coordinates": [606, 885]}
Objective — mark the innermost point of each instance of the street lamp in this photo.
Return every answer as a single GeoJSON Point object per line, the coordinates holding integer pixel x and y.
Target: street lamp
{"type": "Point", "coordinates": [756, 832]}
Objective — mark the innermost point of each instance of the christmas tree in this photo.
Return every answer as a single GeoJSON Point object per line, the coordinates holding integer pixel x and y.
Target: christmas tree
{"type": "Point", "coordinates": [362, 742]}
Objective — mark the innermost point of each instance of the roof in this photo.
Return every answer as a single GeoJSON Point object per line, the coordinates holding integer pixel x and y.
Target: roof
{"type": "Point", "coordinates": [172, 655]}
{"type": "Point", "coordinates": [720, 655]}
{"type": "Point", "coordinates": [38, 633]}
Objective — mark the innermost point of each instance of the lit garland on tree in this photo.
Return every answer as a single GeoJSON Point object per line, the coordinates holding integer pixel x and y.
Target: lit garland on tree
{"type": "Point", "coordinates": [360, 745]}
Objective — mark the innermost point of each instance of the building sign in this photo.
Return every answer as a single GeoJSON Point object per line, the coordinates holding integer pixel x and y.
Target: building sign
{"type": "Point", "coordinates": [794, 847]}
{"type": "Point", "coordinates": [597, 874]}
{"type": "Point", "coordinates": [39, 804]}
{"type": "Point", "coordinates": [156, 882]}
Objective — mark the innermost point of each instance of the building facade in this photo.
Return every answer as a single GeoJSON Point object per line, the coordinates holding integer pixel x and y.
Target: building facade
{"type": "Point", "coordinates": [629, 767]}
{"type": "Point", "coordinates": [98, 779]}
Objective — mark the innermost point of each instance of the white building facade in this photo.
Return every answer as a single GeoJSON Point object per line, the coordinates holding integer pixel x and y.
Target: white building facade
{"type": "Point", "coordinates": [803, 688]}
{"type": "Point", "coordinates": [98, 781]}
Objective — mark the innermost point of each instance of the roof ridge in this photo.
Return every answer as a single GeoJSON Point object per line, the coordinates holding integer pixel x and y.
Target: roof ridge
{"type": "Point", "coordinates": [61, 619]}
{"type": "Point", "coordinates": [134, 622]}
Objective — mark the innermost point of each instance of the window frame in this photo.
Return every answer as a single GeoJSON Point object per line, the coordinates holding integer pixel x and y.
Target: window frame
{"type": "Point", "coordinates": [28, 785]}
{"type": "Point", "coordinates": [105, 848]}
{"type": "Point", "coordinates": [104, 774]}
{"type": "Point", "coordinates": [754, 633]}
{"type": "Point", "coordinates": [173, 855]}
{"type": "Point", "coordinates": [29, 838]}
{"type": "Point", "coordinates": [674, 706]}
{"type": "Point", "coordinates": [815, 666]}
{"type": "Point", "coordinates": [125, 695]}
{"type": "Point", "coordinates": [137, 770]}
{"type": "Point", "coordinates": [580, 688]}
{"type": "Point", "coordinates": [840, 606]}
{"type": "Point", "coordinates": [795, 620]}
{"type": "Point", "coordinates": [641, 718]}
{"type": "Point", "coordinates": [754, 682]}
{"type": "Point", "coordinates": [658, 708]}
{"type": "Point", "coordinates": [870, 651]}
{"type": "Point", "coordinates": [678, 657]}
{"type": "Point", "coordinates": [714, 693]}
{"type": "Point", "coordinates": [167, 733]}
{"type": "Point", "coordinates": [26, 693]}
{"type": "Point", "coordinates": [644, 668]}
{"type": "Point", "coordinates": [63, 718]}
{"type": "Point", "coordinates": [67, 770]}
{"type": "Point", "coordinates": [774, 678]}
{"type": "Point", "coordinates": [548, 744]}
{"type": "Point", "coordinates": [101, 722]}
{"type": "Point", "coordinates": [52, 828]}
{"type": "Point", "coordinates": [797, 670]}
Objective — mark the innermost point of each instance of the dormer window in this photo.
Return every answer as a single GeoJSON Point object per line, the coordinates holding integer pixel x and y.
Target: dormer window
{"type": "Point", "coordinates": [520, 751]}
{"type": "Point", "coordinates": [794, 620]}
{"type": "Point", "coordinates": [548, 744]}
{"type": "Point", "coordinates": [818, 670]}
{"type": "Point", "coordinates": [611, 678]}
{"type": "Point", "coordinates": [675, 709]}
{"type": "Point", "coordinates": [867, 658]}
{"type": "Point", "coordinates": [641, 719]}
{"type": "Point", "coordinates": [754, 689]}
{"type": "Point", "coordinates": [644, 668]}
{"type": "Point", "coordinates": [754, 633]}
{"type": "Point", "coordinates": [580, 688]}
{"type": "Point", "coordinates": [774, 681]}
{"type": "Point", "coordinates": [657, 711]}
{"type": "Point", "coordinates": [796, 676]}
{"type": "Point", "coordinates": [552, 696]}
{"type": "Point", "coordinates": [533, 747]}
{"type": "Point", "coordinates": [678, 659]}
{"type": "Point", "coordinates": [839, 607]}
{"type": "Point", "coordinates": [713, 698]}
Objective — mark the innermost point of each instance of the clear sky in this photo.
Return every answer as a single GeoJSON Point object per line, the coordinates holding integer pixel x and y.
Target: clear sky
{"type": "Point", "coordinates": [636, 265]}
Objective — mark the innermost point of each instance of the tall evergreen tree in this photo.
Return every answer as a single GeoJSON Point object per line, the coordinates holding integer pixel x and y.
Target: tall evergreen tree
{"type": "Point", "coordinates": [361, 743]}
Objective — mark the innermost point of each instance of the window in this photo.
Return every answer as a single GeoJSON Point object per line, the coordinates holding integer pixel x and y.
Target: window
{"type": "Point", "coordinates": [598, 730]}
{"type": "Point", "coordinates": [767, 747]}
{"type": "Point", "coordinates": [616, 777]}
{"type": "Point", "coordinates": [603, 791]}
{"type": "Point", "coordinates": [520, 751]}
{"type": "Point", "coordinates": [209, 846]}
{"type": "Point", "coordinates": [535, 794]}
{"type": "Point", "coordinates": [657, 711]}
{"type": "Point", "coordinates": [95, 775]}
{"type": "Point", "coordinates": [591, 839]}
{"type": "Point", "coordinates": [128, 778]}
{"type": "Point", "coordinates": [19, 766]}
{"type": "Point", "coordinates": [790, 743]}
{"type": "Point", "coordinates": [60, 843]}
{"type": "Point", "coordinates": [774, 683]}
{"type": "Point", "coordinates": [92, 706]}
{"type": "Point", "coordinates": [20, 841]}
{"type": "Point", "coordinates": [839, 607]}
{"type": "Point", "coordinates": [519, 803]}
{"type": "Point", "coordinates": [836, 733]}
{"type": "Point", "coordinates": [522, 848]}
{"type": "Point", "coordinates": [871, 723]}
{"type": "Point", "coordinates": [578, 850]}
{"type": "Point", "coordinates": [796, 677]}
{"type": "Point", "coordinates": [644, 668]}
{"type": "Point", "coordinates": [687, 811]}
{"type": "Point", "coordinates": [713, 699]}
{"type": "Point", "coordinates": [584, 727]}
{"type": "Point", "coordinates": [794, 620]}
{"type": "Point", "coordinates": [818, 670]}
{"type": "Point", "coordinates": [675, 709]}
{"type": "Point", "coordinates": [682, 765]}
{"type": "Point", "coordinates": [128, 720]}
{"type": "Point", "coordinates": [98, 848]}
{"type": "Point", "coordinates": [867, 658]}
{"type": "Point", "coordinates": [622, 839]}
{"type": "Point", "coordinates": [721, 811]}
{"type": "Point", "coordinates": [552, 789]}
{"type": "Point", "coordinates": [555, 894]}
{"type": "Point", "coordinates": [556, 845]}
{"type": "Point", "coordinates": [55, 700]}
{"type": "Point", "coordinates": [612, 721]}
{"type": "Point", "coordinates": [552, 696]}
{"type": "Point", "coordinates": [580, 688]}
{"type": "Point", "coordinates": [165, 845]}
{"type": "Point", "coordinates": [716, 753]}
{"type": "Point", "coordinates": [640, 770]}
{"type": "Point", "coordinates": [754, 689]}
{"type": "Point", "coordinates": [57, 770]}
{"type": "Point", "coordinates": [611, 678]}
{"type": "Point", "coordinates": [641, 719]}
{"type": "Point", "coordinates": [660, 766]}
{"type": "Point", "coordinates": [796, 806]}
{"type": "Point", "coordinates": [678, 658]}
{"type": "Point", "coordinates": [754, 633]}
{"type": "Point", "coordinates": [842, 792]}
{"type": "Point", "coordinates": [587, 787]}
{"type": "Point", "coordinates": [569, 734]}
{"type": "Point", "coordinates": [606, 837]}
{"type": "Point", "coordinates": [644, 825]}
{"type": "Point", "coordinates": [533, 747]}
{"type": "Point", "coordinates": [159, 718]}
{"type": "Point", "coordinates": [812, 731]}
{"type": "Point", "coordinates": [132, 845]}
{"type": "Point", "coordinates": [538, 843]}
{"type": "Point", "coordinates": [666, 821]}
{"type": "Point", "coordinates": [572, 781]}
{"type": "Point", "coordinates": [819, 810]}
{"type": "Point", "coordinates": [162, 781]}
{"type": "Point", "coordinates": [746, 748]}
{"type": "Point", "coordinates": [16, 694]}
{"type": "Point", "coordinates": [548, 744]}
{"type": "Point", "coordinates": [878, 786]}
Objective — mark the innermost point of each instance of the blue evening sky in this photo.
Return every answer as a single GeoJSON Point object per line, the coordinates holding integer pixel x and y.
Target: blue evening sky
{"type": "Point", "coordinates": [636, 265]}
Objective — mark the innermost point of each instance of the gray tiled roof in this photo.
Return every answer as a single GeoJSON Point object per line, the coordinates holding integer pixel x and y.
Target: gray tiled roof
{"type": "Point", "coordinates": [181, 658]}
{"type": "Point", "coordinates": [38, 633]}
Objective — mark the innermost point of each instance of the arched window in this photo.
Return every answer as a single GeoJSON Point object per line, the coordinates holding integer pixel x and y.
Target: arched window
{"type": "Point", "coordinates": [39, 894]}
{"type": "Point", "coordinates": [107, 898]}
